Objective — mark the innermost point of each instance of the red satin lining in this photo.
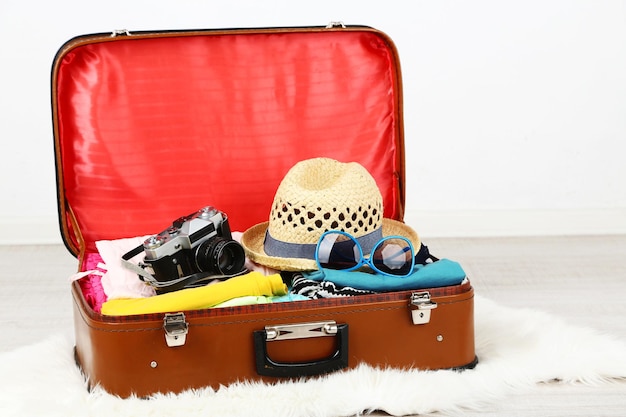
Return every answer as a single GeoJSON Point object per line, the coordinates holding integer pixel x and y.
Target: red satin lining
{"type": "Point", "coordinates": [153, 129]}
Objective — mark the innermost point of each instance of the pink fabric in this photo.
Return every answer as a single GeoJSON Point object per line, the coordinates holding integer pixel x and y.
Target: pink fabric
{"type": "Point", "coordinates": [91, 285]}
{"type": "Point", "coordinates": [108, 279]}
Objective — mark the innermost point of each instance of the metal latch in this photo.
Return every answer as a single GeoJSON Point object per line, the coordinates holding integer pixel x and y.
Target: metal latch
{"type": "Point", "coordinates": [120, 32]}
{"type": "Point", "coordinates": [300, 331]}
{"type": "Point", "coordinates": [333, 25]}
{"type": "Point", "coordinates": [421, 305]}
{"type": "Point", "coordinates": [176, 329]}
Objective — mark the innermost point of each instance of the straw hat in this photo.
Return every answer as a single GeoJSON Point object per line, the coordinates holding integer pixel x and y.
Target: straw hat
{"type": "Point", "coordinates": [315, 196]}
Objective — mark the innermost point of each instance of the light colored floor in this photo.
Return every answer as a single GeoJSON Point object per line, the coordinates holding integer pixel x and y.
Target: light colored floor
{"type": "Point", "coordinates": [581, 279]}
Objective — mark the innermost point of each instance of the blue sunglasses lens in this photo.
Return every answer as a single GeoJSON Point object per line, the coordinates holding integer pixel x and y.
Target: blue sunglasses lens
{"type": "Point", "coordinates": [393, 256]}
{"type": "Point", "coordinates": [338, 251]}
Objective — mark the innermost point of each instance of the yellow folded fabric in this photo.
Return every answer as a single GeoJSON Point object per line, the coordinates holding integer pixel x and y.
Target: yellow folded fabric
{"type": "Point", "coordinates": [252, 283]}
{"type": "Point", "coordinates": [246, 300]}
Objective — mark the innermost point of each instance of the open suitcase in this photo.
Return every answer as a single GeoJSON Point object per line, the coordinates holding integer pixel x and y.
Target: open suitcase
{"type": "Point", "coordinates": [150, 126]}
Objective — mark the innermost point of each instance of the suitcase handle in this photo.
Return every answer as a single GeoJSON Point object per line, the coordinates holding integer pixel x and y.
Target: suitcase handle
{"type": "Point", "coordinates": [267, 367]}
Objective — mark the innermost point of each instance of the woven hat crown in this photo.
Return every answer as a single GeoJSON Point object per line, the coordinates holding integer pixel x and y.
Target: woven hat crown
{"type": "Point", "coordinates": [323, 194]}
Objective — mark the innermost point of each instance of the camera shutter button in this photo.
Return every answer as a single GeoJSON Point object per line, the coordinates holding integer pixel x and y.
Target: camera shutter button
{"type": "Point", "coordinates": [208, 212]}
{"type": "Point", "coordinates": [153, 242]}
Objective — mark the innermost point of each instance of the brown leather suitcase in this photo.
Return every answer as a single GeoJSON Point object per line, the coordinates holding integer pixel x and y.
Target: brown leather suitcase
{"type": "Point", "coordinates": [152, 125]}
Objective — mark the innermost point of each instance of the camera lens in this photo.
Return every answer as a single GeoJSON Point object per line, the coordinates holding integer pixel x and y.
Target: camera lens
{"type": "Point", "coordinates": [221, 256]}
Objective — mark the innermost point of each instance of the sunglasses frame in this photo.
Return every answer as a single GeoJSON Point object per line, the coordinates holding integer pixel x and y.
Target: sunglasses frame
{"type": "Point", "coordinates": [363, 261]}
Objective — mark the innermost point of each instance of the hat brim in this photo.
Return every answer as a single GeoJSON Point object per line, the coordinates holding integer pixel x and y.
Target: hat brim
{"type": "Point", "coordinates": [253, 239]}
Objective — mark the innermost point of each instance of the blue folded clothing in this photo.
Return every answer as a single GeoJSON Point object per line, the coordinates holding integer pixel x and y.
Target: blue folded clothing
{"type": "Point", "coordinates": [441, 273]}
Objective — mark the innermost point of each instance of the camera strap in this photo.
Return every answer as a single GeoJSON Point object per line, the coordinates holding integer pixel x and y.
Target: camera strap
{"type": "Point", "coordinates": [172, 285]}
{"type": "Point", "coordinates": [132, 253]}
{"type": "Point", "coordinates": [143, 274]}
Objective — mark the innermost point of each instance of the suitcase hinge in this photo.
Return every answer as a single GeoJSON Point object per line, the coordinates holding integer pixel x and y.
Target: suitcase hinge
{"type": "Point", "coordinates": [421, 305]}
{"type": "Point", "coordinates": [176, 329]}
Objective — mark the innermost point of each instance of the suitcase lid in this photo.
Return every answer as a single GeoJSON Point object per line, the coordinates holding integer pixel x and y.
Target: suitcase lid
{"type": "Point", "coordinates": [151, 126]}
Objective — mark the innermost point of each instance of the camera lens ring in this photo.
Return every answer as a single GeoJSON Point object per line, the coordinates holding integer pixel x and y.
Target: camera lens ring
{"type": "Point", "coordinates": [220, 256]}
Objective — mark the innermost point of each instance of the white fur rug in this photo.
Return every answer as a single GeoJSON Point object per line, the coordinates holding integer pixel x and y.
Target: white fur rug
{"type": "Point", "coordinates": [517, 349]}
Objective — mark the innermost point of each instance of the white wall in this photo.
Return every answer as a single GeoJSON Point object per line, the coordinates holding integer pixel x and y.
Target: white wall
{"type": "Point", "coordinates": [515, 111]}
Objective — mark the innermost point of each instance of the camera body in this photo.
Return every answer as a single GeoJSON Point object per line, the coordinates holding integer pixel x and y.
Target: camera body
{"type": "Point", "coordinates": [200, 243]}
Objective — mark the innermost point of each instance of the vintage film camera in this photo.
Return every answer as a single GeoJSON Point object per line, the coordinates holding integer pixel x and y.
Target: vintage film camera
{"type": "Point", "coordinates": [194, 248]}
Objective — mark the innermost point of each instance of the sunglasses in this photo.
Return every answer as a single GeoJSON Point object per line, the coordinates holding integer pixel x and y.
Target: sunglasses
{"type": "Point", "coordinates": [391, 256]}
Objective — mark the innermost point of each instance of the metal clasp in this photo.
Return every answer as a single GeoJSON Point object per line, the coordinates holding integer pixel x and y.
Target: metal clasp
{"type": "Point", "coordinates": [300, 331]}
{"type": "Point", "coordinates": [176, 329]}
{"type": "Point", "coordinates": [120, 32]}
{"type": "Point", "coordinates": [421, 306]}
{"type": "Point", "coordinates": [332, 25]}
